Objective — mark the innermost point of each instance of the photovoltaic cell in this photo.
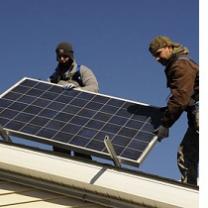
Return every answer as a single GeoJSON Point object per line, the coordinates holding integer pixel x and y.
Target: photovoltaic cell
{"type": "Point", "coordinates": [78, 120]}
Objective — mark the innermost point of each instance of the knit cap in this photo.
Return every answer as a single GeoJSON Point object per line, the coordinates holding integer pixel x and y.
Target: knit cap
{"type": "Point", "coordinates": [161, 42]}
{"type": "Point", "coordinates": [65, 49]}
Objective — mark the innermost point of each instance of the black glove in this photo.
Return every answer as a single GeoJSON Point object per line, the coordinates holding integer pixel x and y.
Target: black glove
{"type": "Point", "coordinates": [162, 132]}
{"type": "Point", "coordinates": [54, 78]}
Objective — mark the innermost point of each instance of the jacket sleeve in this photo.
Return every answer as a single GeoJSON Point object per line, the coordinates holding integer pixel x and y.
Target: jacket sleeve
{"type": "Point", "coordinates": [55, 77]}
{"type": "Point", "coordinates": [181, 78]}
{"type": "Point", "coordinates": [89, 80]}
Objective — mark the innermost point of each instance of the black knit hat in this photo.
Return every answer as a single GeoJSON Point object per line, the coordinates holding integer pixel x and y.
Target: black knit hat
{"type": "Point", "coordinates": [65, 49]}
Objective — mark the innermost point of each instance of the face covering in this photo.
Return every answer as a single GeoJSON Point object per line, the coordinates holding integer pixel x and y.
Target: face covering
{"type": "Point", "coordinates": [65, 66]}
{"type": "Point", "coordinates": [163, 61]}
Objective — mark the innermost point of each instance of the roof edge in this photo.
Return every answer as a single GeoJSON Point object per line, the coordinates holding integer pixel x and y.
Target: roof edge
{"type": "Point", "coordinates": [97, 183]}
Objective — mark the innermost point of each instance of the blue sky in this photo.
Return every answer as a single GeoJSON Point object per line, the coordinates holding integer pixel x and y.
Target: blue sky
{"type": "Point", "coordinates": [109, 36]}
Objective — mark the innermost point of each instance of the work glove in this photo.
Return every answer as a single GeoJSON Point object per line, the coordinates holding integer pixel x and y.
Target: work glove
{"type": "Point", "coordinates": [162, 132]}
{"type": "Point", "coordinates": [68, 86]}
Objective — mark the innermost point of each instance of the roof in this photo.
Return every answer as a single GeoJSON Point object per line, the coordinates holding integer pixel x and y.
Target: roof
{"type": "Point", "coordinates": [16, 195]}
{"type": "Point", "coordinates": [92, 182]}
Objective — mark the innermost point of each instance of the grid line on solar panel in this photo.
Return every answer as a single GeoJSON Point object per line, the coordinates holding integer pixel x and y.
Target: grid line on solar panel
{"type": "Point", "coordinates": [120, 137]}
{"type": "Point", "coordinates": [50, 112]}
{"type": "Point", "coordinates": [50, 115]}
{"type": "Point", "coordinates": [76, 120]}
{"type": "Point", "coordinates": [45, 90]}
{"type": "Point", "coordinates": [82, 141]}
{"type": "Point", "coordinates": [93, 134]}
{"type": "Point", "coordinates": [96, 99]}
{"type": "Point", "coordinates": [104, 109]}
{"type": "Point", "coordinates": [46, 130]}
{"type": "Point", "coordinates": [106, 132]}
{"type": "Point", "coordinates": [122, 129]}
{"type": "Point", "coordinates": [29, 110]}
{"type": "Point", "coordinates": [50, 104]}
{"type": "Point", "coordinates": [90, 135]}
{"type": "Point", "coordinates": [82, 96]}
{"type": "Point", "coordinates": [14, 119]}
{"type": "Point", "coordinates": [127, 145]}
{"type": "Point", "coordinates": [20, 95]}
{"type": "Point", "coordinates": [40, 122]}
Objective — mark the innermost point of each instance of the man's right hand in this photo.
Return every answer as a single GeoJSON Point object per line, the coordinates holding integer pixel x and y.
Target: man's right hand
{"type": "Point", "coordinates": [162, 132]}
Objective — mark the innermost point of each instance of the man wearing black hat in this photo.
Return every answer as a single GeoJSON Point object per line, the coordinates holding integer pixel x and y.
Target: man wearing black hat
{"type": "Point", "coordinates": [183, 80]}
{"type": "Point", "coordinates": [71, 75]}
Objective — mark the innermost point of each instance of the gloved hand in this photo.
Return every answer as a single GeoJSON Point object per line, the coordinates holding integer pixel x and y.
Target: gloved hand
{"type": "Point", "coordinates": [162, 132]}
{"type": "Point", "coordinates": [69, 86]}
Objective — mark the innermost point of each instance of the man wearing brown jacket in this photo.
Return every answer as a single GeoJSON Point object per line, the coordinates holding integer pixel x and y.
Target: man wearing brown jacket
{"type": "Point", "coordinates": [183, 81]}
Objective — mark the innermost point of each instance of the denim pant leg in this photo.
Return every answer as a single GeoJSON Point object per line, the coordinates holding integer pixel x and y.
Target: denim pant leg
{"type": "Point", "coordinates": [188, 157]}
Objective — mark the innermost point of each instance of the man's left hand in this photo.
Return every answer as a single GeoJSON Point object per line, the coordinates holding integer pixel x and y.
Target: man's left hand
{"type": "Point", "coordinates": [69, 86]}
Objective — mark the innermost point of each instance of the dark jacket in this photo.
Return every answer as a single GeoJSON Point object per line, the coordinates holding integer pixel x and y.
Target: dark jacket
{"type": "Point", "coordinates": [183, 80]}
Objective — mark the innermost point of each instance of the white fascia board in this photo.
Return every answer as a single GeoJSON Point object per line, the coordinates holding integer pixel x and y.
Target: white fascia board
{"type": "Point", "coordinates": [109, 182]}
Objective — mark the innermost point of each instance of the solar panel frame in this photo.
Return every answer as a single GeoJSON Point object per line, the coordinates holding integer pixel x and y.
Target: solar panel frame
{"type": "Point", "coordinates": [96, 108]}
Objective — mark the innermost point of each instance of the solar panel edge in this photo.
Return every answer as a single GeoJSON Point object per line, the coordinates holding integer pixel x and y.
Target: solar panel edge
{"type": "Point", "coordinates": [13, 86]}
{"type": "Point", "coordinates": [71, 147]}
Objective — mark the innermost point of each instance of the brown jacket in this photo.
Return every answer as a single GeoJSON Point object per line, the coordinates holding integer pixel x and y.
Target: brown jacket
{"type": "Point", "coordinates": [183, 80]}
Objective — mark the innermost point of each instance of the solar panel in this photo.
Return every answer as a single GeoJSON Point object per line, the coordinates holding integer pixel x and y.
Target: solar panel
{"type": "Point", "coordinates": [78, 120]}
